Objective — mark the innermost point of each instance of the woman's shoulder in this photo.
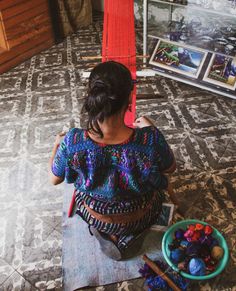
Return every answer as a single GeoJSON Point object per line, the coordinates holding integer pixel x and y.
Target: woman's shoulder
{"type": "Point", "coordinates": [74, 135]}
{"type": "Point", "coordinates": [147, 130]}
{"type": "Point", "coordinates": [148, 134]}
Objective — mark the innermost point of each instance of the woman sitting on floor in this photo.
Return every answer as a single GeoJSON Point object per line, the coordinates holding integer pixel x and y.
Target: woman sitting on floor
{"type": "Point", "coordinates": [118, 172]}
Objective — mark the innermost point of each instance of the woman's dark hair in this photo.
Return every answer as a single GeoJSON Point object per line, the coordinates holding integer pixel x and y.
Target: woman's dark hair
{"type": "Point", "coordinates": [109, 88]}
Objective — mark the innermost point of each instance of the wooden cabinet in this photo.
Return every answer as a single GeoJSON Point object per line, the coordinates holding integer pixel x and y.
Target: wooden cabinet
{"type": "Point", "coordinates": [25, 29]}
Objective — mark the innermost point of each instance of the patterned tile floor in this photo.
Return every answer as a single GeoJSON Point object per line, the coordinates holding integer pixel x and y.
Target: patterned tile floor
{"type": "Point", "coordinates": [43, 96]}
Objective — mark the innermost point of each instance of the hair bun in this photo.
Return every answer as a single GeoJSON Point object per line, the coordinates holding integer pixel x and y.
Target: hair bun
{"type": "Point", "coordinates": [98, 84]}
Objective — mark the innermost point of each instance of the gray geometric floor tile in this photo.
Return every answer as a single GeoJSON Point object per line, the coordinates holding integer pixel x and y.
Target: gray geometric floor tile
{"type": "Point", "coordinates": [43, 266]}
{"type": "Point", "coordinates": [203, 153]}
{"type": "Point", "coordinates": [22, 233]}
{"type": "Point", "coordinates": [48, 104]}
{"type": "Point", "coordinates": [230, 107]}
{"type": "Point", "coordinates": [41, 134]}
{"type": "Point", "coordinates": [42, 194]}
{"type": "Point", "coordinates": [10, 141]}
{"type": "Point", "coordinates": [12, 107]}
{"type": "Point", "coordinates": [8, 192]}
{"type": "Point", "coordinates": [5, 271]}
{"type": "Point", "coordinates": [223, 108]}
{"type": "Point", "coordinates": [219, 199]}
{"type": "Point", "coordinates": [48, 78]}
{"type": "Point", "coordinates": [46, 204]}
{"type": "Point", "coordinates": [13, 83]}
{"type": "Point", "coordinates": [146, 89]}
{"type": "Point", "coordinates": [222, 135]}
{"type": "Point", "coordinates": [197, 119]}
{"type": "Point", "coordinates": [16, 283]}
{"type": "Point", "coordinates": [27, 178]}
{"type": "Point", "coordinates": [188, 184]}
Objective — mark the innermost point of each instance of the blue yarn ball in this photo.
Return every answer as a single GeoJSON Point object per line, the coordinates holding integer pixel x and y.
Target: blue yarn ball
{"type": "Point", "coordinates": [184, 244]}
{"type": "Point", "coordinates": [197, 267]}
{"type": "Point", "coordinates": [179, 234]}
{"type": "Point", "coordinates": [174, 245]}
{"type": "Point", "coordinates": [177, 256]}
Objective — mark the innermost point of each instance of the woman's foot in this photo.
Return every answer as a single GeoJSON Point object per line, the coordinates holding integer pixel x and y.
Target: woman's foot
{"type": "Point", "coordinates": [107, 245]}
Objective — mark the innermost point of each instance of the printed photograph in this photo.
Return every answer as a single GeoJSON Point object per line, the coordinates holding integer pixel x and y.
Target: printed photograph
{"type": "Point", "coordinates": [222, 71]}
{"type": "Point", "coordinates": [165, 217]}
{"type": "Point", "coordinates": [178, 58]}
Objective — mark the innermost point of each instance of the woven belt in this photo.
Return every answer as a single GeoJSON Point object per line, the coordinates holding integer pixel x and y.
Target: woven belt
{"type": "Point", "coordinates": [121, 218]}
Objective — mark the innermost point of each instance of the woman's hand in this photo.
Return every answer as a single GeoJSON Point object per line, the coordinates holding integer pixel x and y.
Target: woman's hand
{"type": "Point", "coordinates": [143, 122]}
{"type": "Point", "coordinates": [54, 179]}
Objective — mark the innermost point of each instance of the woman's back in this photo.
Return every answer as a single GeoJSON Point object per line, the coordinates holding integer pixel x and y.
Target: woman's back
{"type": "Point", "coordinates": [117, 171]}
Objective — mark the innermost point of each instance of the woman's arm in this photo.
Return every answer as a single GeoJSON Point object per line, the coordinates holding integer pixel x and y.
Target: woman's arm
{"type": "Point", "coordinates": [172, 168]}
{"type": "Point", "coordinates": [55, 180]}
{"type": "Point", "coordinates": [143, 122]}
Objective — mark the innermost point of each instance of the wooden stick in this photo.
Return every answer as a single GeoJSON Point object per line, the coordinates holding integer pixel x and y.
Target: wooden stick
{"type": "Point", "coordinates": [160, 273]}
{"type": "Point", "coordinates": [99, 57]}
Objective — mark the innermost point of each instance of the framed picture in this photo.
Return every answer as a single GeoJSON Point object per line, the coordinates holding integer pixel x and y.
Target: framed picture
{"type": "Point", "coordinates": [178, 58]}
{"type": "Point", "coordinates": [221, 71]}
{"type": "Point", "coordinates": [165, 217]}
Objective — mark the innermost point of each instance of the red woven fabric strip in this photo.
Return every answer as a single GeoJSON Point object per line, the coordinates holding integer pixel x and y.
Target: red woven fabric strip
{"type": "Point", "coordinates": [119, 40]}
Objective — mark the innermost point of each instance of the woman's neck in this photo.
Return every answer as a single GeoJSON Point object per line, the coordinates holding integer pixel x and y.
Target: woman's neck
{"type": "Point", "coordinates": [114, 131]}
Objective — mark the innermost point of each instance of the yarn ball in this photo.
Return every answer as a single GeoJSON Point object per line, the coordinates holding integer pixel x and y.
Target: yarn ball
{"type": "Point", "coordinates": [196, 236]}
{"type": "Point", "coordinates": [208, 229]}
{"type": "Point", "coordinates": [199, 226]}
{"type": "Point", "coordinates": [191, 227]}
{"type": "Point", "coordinates": [207, 240]}
{"type": "Point", "coordinates": [179, 234]}
{"type": "Point", "coordinates": [177, 255]}
{"type": "Point", "coordinates": [174, 245]}
{"type": "Point", "coordinates": [184, 244]}
{"type": "Point", "coordinates": [197, 267]}
{"type": "Point", "coordinates": [188, 234]}
{"type": "Point", "coordinates": [217, 253]}
{"type": "Point", "coordinates": [193, 249]}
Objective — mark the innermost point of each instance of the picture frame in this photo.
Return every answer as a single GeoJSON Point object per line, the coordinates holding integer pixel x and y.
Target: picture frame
{"type": "Point", "coordinates": [221, 71]}
{"type": "Point", "coordinates": [179, 58]}
{"type": "Point", "coordinates": [165, 217]}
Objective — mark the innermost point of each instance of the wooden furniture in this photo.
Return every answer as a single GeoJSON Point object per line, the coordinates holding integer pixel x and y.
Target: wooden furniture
{"type": "Point", "coordinates": [25, 30]}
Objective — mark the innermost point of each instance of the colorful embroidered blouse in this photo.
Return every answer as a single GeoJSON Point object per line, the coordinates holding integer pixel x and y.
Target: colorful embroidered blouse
{"type": "Point", "coordinates": [114, 172]}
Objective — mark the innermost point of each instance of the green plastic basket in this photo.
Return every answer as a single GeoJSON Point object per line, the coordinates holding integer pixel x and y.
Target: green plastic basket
{"type": "Point", "coordinates": [168, 238]}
